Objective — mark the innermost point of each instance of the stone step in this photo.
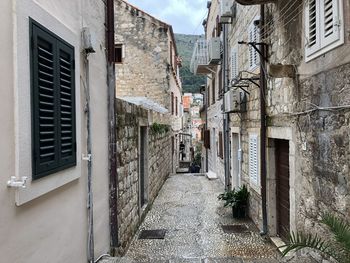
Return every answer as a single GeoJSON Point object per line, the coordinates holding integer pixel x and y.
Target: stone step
{"type": "Point", "coordinates": [188, 260]}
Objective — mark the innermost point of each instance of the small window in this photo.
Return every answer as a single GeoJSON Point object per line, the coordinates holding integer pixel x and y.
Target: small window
{"type": "Point", "coordinates": [118, 53]}
{"type": "Point", "coordinates": [221, 150]}
{"type": "Point", "coordinates": [53, 102]}
{"type": "Point", "coordinates": [253, 37]}
{"type": "Point", "coordinates": [172, 103]}
{"type": "Point", "coordinates": [213, 90]}
{"type": "Point", "coordinates": [323, 25]}
{"type": "Point", "coordinates": [176, 107]}
{"type": "Point", "coordinates": [253, 159]}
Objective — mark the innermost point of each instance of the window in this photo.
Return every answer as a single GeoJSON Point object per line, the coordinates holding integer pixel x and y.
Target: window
{"type": "Point", "coordinates": [176, 106]}
{"type": "Point", "coordinates": [213, 90]}
{"type": "Point", "coordinates": [172, 103]}
{"type": "Point", "coordinates": [221, 87]}
{"type": "Point", "coordinates": [221, 151]}
{"type": "Point", "coordinates": [323, 26]}
{"type": "Point", "coordinates": [234, 63]}
{"type": "Point", "coordinates": [53, 102]}
{"type": "Point", "coordinates": [253, 37]}
{"type": "Point", "coordinates": [253, 159]}
{"type": "Point", "coordinates": [118, 53]}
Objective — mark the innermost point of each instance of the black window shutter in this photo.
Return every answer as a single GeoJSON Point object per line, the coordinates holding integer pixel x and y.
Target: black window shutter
{"type": "Point", "coordinates": [53, 108]}
{"type": "Point", "coordinates": [66, 105]}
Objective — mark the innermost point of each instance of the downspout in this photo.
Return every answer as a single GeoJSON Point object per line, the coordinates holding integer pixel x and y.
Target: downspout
{"type": "Point", "coordinates": [112, 128]}
{"type": "Point", "coordinates": [90, 208]}
{"type": "Point", "coordinates": [206, 127]}
{"type": "Point", "coordinates": [263, 84]}
{"type": "Point", "coordinates": [226, 115]}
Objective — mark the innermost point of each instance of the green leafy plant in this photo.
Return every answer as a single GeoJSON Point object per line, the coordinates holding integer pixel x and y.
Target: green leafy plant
{"type": "Point", "coordinates": [237, 199]}
{"type": "Point", "coordinates": [158, 128]}
{"type": "Point", "coordinates": [339, 248]}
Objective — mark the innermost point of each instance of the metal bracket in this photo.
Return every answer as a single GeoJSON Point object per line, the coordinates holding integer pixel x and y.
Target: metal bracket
{"type": "Point", "coordinates": [86, 157]}
{"type": "Point", "coordinates": [254, 45]}
{"type": "Point", "coordinates": [15, 183]}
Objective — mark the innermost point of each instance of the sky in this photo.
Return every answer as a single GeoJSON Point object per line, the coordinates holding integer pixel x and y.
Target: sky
{"type": "Point", "coordinates": [186, 16]}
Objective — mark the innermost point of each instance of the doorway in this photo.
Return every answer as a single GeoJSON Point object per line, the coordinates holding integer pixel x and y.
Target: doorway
{"type": "Point", "coordinates": [143, 164]}
{"type": "Point", "coordinates": [282, 188]}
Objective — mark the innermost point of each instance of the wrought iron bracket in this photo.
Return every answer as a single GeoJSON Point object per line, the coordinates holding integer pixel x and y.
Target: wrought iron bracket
{"type": "Point", "coordinates": [255, 46]}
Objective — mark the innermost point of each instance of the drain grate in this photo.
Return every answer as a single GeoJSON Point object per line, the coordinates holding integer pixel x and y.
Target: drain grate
{"type": "Point", "coordinates": [230, 229]}
{"type": "Point", "coordinates": [152, 234]}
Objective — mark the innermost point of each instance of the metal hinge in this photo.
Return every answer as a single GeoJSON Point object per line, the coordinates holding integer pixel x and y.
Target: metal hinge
{"type": "Point", "coordinates": [86, 157]}
{"type": "Point", "coordinates": [14, 182]}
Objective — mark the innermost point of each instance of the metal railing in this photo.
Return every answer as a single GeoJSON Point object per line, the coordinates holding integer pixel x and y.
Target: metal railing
{"type": "Point", "coordinates": [200, 55]}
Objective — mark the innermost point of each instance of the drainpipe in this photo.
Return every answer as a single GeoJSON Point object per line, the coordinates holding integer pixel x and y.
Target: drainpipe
{"type": "Point", "coordinates": [226, 115]}
{"type": "Point", "coordinates": [112, 128]}
{"type": "Point", "coordinates": [90, 208]}
{"type": "Point", "coordinates": [263, 84]}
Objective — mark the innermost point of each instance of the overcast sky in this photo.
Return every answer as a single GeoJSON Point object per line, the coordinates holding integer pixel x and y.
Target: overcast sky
{"type": "Point", "coordinates": [185, 16]}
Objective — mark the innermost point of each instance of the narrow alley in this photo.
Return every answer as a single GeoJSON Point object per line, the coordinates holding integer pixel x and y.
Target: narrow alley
{"type": "Point", "coordinates": [193, 218]}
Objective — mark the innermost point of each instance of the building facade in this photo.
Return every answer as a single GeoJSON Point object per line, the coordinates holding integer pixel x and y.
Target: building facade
{"type": "Point", "coordinates": [49, 86]}
{"type": "Point", "coordinates": [287, 81]}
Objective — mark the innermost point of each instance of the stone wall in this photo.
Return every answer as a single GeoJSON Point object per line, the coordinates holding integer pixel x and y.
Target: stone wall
{"type": "Point", "coordinates": [130, 213]}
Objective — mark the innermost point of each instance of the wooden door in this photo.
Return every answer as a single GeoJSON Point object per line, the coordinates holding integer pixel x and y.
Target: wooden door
{"type": "Point", "coordinates": [282, 188]}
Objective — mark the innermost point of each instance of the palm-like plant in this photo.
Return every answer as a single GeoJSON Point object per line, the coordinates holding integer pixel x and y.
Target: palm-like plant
{"type": "Point", "coordinates": [339, 250]}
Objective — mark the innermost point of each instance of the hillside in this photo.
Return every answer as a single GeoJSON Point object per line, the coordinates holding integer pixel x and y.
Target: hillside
{"type": "Point", "coordinates": [184, 43]}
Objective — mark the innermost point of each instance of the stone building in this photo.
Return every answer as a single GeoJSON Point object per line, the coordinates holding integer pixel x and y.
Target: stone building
{"type": "Point", "coordinates": [53, 97]}
{"type": "Point", "coordinates": [147, 64]}
{"type": "Point", "coordinates": [289, 121]}
{"type": "Point", "coordinates": [149, 113]}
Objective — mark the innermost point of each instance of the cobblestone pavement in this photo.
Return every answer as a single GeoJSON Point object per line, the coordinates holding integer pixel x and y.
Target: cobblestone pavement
{"type": "Point", "coordinates": [188, 208]}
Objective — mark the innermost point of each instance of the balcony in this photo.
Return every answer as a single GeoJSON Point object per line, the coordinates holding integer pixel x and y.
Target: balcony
{"type": "Point", "coordinates": [205, 57]}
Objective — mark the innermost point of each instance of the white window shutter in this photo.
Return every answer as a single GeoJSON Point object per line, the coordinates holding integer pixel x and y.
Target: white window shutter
{"type": "Point", "coordinates": [330, 22]}
{"type": "Point", "coordinates": [312, 26]}
{"type": "Point", "coordinates": [253, 159]}
{"type": "Point", "coordinates": [251, 49]}
{"type": "Point", "coordinates": [234, 63]}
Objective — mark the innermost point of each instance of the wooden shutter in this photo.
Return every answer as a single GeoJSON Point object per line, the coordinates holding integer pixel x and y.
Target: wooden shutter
{"type": "Point", "coordinates": [53, 107]}
{"type": "Point", "coordinates": [66, 104]}
{"type": "Point", "coordinates": [253, 159]}
{"type": "Point", "coordinates": [176, 106]}
{"type": "Point", "coordinates": [44, 93]}
{"type": "Point", "coordinates": [172, 103]}
{"type": "Point", "coordinates": [312, 26]}
{"type": "Point", "coordinates": [213, 89]}
{"type": "Point", "coordinates": [207, 139]}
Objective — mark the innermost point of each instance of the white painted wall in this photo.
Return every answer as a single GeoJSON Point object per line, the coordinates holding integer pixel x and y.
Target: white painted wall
{"type": "Point", "coordinates": [49, 222]}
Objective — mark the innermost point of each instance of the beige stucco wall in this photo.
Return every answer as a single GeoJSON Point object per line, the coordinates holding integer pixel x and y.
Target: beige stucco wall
{"type": "Point", "coordinates": [45, 222]}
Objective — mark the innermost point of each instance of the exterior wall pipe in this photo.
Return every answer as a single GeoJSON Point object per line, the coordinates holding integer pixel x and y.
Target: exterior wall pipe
{"type": "Point", "coordinates": [226, 115]}
{"type": "Point", "coordinates": [263, 84]}
{"type": "Point", "coordinates": [112, 128]}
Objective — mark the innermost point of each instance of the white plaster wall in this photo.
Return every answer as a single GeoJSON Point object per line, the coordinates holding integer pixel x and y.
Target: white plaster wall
{"type": "Point", "coordinates": [49, 223]}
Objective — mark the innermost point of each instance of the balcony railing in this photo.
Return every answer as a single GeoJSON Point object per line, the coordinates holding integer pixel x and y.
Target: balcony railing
{"type": "Point", "coordinates": [200, 58]}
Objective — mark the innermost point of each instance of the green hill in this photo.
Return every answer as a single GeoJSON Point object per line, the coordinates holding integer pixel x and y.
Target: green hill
{"type": "Point", "coordinates": [190, 82]}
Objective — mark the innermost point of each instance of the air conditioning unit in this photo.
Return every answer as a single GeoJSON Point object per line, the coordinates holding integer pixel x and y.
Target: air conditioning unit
{"type": "Point", "coordinates": [226, 11]}
{"type": "Point", "coordinates": [214, 50]}
{"type": "Point", "coordinates": [235, 101]}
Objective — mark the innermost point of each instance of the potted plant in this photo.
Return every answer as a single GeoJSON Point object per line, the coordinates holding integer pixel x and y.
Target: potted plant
{"type": "Point", "coordinates": [238, 200]}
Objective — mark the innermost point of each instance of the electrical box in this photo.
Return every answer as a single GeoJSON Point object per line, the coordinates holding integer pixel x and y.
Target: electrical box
{"type": "Point", "coordinates": [89, 41]}
{"type": "Point", "coordinates": [226, 11]}
{"type": "Point", "coordinates": [235, 101]}
{"type": "Point", "coordinates": [214, 48]}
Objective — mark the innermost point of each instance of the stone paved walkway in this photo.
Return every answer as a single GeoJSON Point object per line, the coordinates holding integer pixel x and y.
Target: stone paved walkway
{"type": "Point", "coordinates": [187, 207]}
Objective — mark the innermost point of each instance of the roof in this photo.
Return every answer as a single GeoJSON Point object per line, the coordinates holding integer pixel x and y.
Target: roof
{"type": "Point", "coordinates": [154, 18]}
{"type": "Point", "coordinates": [145, 103]}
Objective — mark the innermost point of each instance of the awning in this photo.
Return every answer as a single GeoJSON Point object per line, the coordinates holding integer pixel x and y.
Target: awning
{"type": "Point", "coordinates": [146, 103]}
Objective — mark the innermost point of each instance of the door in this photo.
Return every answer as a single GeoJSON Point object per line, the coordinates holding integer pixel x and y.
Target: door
{"type": "Point", "coordinates": [235, 161]}
{"type": "Point", "coordinates": [282, 188]}
{"type": "Point", "coordinates": [143, 159]}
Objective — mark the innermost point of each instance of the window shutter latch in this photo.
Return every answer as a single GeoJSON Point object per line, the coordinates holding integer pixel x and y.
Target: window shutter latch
{"type": "Point", "coordinates": [86, 157]}
{"type": "Point", "coordinates": [15, 183]}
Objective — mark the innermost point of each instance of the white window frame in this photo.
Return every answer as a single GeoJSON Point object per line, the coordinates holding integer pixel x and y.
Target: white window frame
{"type": "Point", "coordinates": [234, 63]}
{"type": "Point", "coordinates": [324, 43]}
{"type": "Point", "coordinates": [254, 170]}
{"type": "Point", "coordinates": [253, 36]}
